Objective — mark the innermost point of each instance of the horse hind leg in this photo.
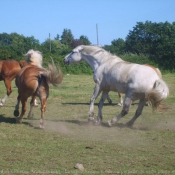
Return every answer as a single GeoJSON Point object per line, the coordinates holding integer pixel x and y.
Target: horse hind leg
{"type": "Point", "coordinates": [35, 103]}
{"type": "Point", "coordinates": [43, 110]}
{"type": "Point", "coordinates": [121, 100]}
{"type": "Point", "coordinates": [16, 111]}
{"type": "Point", "coordinates": [125, 110]}
{"type": "Point", "coordinates": [32, 104]}
{"type": "Point", "coordinates": [139, 110]}
{"type": "Point", "coordinates": [120, 103]}
{"type": "Point", "coordinates": [23, 110]}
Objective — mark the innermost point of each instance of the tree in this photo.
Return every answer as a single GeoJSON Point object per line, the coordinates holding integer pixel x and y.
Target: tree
{"type": "Point", "coordinates": [155, 39]}
{"type": "Point", "coordinates": [117, 46]}
{"type": "Point", "coordinates": [85, 40]}
{"type": "Point", "coordinates": [76, 42]}
{"type": "Point", "coordinates": [57, 37]}
{"type": "Point", "coordinates": [67, 37]}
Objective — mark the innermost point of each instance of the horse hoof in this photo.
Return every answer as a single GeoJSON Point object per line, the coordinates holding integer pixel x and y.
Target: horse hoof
{"type": "Point", "coordinates": [30, 117]}
{"type": "Point", "coordinates": [1, 104]}
{"type": "Point", "coordinates": [109, 123]}
{"type": "Point", "coordinates": [91, 119]}
{"type": "Point", "coordinates": [16, 113]}
{"type": "Point", "coordinates": [129, 124]}
{"type": "Point", "coordinates": [119, 104]}
{"type": "Point", "coordinates": [110, 101]}
{"type": "Point", "coordinates": [19, 121]}
{"type": "Point", "coordinates": [41, 126]}
{"type": "Point", "coordinates": [97, 123]}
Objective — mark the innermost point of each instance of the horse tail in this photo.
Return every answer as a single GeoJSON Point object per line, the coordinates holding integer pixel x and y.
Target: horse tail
{"type": "Point", "coordinates": [159, 92]}
{"type": "Point", "coordinates": [53, 74]}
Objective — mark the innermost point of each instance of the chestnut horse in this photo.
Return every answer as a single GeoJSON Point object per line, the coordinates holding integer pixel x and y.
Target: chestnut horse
{"type": "Point", "coordinates": [33, 80]}
{"type": "Point", "coordinates": [8, 71]}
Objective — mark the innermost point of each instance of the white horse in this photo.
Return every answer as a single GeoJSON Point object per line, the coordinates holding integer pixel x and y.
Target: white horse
{"type": "Point", "coordinates": [111, 73]}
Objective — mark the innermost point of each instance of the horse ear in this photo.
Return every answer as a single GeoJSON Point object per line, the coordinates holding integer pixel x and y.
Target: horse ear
{"type": "Point", "coordinates": [78, 49]}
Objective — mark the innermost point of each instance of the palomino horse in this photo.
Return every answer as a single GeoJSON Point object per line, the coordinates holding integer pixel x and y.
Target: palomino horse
{"type": "Point", "coordinates": [8, 71]}
{"type": "Point", "coordinates": [33, 80]}
{"type": "Point", "coordinates": [120, 103]}
{"type": "Point", "coordinates": [111, 73]}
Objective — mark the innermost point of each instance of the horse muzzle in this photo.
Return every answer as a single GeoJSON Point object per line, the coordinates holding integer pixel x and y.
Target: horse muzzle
{"type": "Point", "coordinates": [66, 62]}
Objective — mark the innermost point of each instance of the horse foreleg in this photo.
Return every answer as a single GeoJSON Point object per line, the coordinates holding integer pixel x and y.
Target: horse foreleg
{"type": "Point", "coordinates": [43, 110]}
{"type": "Point", "coordinates": [32, 104]}
{"type": "Point", "coordinates": [23, 110]}
{"type": "Point", "coordinates": [100, 106]}
{"type": "Point", "coordinates": [9, 91]}
{"type": "Point", "coordinates": [139, 110]}
{"type": "Point", "coordinates": [94, 96]}
{"type": "Point", "coordinates": [125, 110]}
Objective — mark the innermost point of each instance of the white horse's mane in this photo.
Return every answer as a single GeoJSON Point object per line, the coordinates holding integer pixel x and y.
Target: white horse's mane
{"type": "Point", "coordinates": [34, 58]}
{"type": "Point", "coordinates": [96, 50]}
{"type": "Point", "coordinates": [93, 49]}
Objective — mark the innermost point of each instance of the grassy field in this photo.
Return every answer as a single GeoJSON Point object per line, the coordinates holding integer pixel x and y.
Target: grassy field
{"type": "Point", "coordinates": [147, 148]}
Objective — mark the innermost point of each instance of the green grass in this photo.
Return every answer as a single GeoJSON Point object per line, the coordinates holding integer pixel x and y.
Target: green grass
{"type": "Point", "coordinates": [147, 148]}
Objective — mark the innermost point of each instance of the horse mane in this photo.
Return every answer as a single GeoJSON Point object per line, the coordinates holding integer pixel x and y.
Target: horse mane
{"type": "Point", "coordinates": [34, 58]}
{"type": "Point", "coordinates": [97, 50]}
{"type": "Point", "coordinates": [93, 49]}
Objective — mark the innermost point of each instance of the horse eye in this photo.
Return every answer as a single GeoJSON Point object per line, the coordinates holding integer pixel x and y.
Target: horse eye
{"type": "Point", "coordinates": [74, 52]}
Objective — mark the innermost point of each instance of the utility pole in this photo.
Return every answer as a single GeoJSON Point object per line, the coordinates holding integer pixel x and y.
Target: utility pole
{"type": "Point", "coordinates": [97, 33]}
{"type": "Point", "coordinates": [50, 42]}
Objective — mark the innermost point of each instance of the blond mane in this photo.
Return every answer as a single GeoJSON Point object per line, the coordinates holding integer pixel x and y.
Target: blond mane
{"type": "Point", "coordinates": [34, 58]}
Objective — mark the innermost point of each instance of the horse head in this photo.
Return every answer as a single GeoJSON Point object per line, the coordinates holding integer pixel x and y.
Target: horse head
{"type": "Point", "coordinates": [74, 56]}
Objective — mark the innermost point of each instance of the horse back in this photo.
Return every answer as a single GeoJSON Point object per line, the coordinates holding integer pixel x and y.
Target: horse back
{"type": "Point", "coordinates": [123, 76]}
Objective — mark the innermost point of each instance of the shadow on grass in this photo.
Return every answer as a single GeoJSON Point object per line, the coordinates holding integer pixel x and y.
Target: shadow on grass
{"type": "Point", "coordinates": [96, 104]}
{"type": "Point", "coordinates": [4, 119]}
{"type": "Point", "coordinates": [86, 123]}
{"type": "Point", "coordinates": [12, 120]}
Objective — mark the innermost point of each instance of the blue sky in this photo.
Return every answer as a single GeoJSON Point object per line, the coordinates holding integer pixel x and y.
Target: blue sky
{"type": "Point", "coordinates": [115, 18]}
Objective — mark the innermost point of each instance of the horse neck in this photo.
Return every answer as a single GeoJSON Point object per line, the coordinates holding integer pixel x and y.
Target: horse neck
{"type": "Point", "coordinates": [96, 62]}
{"type": "Point", "coordinates": [93, 62]}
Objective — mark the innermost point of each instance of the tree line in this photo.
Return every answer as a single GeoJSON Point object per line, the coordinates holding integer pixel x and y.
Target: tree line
{"type": "Point", "coordinates": [154, 40]}
{"type": "Point", "coordinates": [148, 43]}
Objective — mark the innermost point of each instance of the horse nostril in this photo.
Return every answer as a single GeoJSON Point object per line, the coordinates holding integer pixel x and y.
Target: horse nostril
{"type": "Point", "coordinates": [65, 62]}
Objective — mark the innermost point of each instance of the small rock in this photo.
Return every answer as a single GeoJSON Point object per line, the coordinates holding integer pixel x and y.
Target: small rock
{"type": "Point", "coordinates": [79, 166]}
